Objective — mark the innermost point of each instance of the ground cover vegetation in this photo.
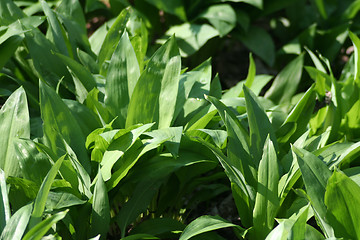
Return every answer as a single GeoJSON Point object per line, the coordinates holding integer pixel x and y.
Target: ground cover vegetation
{"type": "Point", "coordinates": [113, 137]}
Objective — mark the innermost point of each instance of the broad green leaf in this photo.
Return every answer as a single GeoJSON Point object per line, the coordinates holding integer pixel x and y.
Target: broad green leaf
{"type": "Point", "coordinates": [9, 12]}
{"type": "Point", "coordinates": [205, 224]}
{"type": "Point", "coordinates": [137, 204]}
{"type": "Point", "coordinates": [22, 191]}
{"type": "Point", "coordinates": [259, 124]}
{"type": "Point", "coordinates": [19, 27]}
{"type": "Point", "coordinates": [49, 67]}
{"type": "Point", "coordinates": [251, 75]}
{"type": "Point", "coordinates": [342, 199]}
{"type": "Point", "coordinates": [86, 78]}
{"type": "Point", "coordinates": [173, 135]}
{"type": "Point", "coordinates": [315, 174]}
{"type": "Point", "coordinates": [267, 200]}
{"type": "Point", "coordinates": [321, 7]}
{"type": "Point", "coordinates": [298, 230]}
{"type": "Point", "coordinates": [93, 103]}
{"type": "Point", "coordinates": [319, 66]}
{"type": "Point", "coordinates": [71, 16]}
{"type": "Point", "coordinates": [192, 87]}
{"type": "Point", "coordinates": [16, 225]}
{"type": "Point", "coordinates": [40, 201]}
{"type": "Point", "coordinates": [58, 121]}
{"type": "Point", "coordinates": [161, 166]}
{"type": "Point", "coordinates": [132, 156]}
{"type": "Point", "coordinates": [87, 120]}
{"type": "Point", "coordinates": [356, 43]}
{"type": "Point", "coordinates": [100, 217]}
{"type": "Point", "coordinates": [260, 43]}
{"type": "Point", "coordinates": [15, 123]}
{"type": "Point", "coordinates": [352, 10]}
{"type": "Point", "coordinates": [33, 164]}
{"type": "Point", "coordinates": [58, 200]}
{"type": "Point", "coordinates": [175, 7]}
{"type": "Point", "coordinates": [260, 80]}
{"type": "Point", "coordinates": [57, 31]}
{"type": "Point", "coordinates": [223, 110]}
{"type": "Point", "coordinates": [88, 61]}
{"type": "Point", "coordinates": [221, 16]}
{"type": "Point", "coordinates": [38, 231]}
{"type": "Point", "coordinates": [286, 82]}
{"type": "Point", "coordinates": [122, 76]}
{"type": "Point", "coordinates": [299, 117]}
{"type": "Point", "coordinates": [82, 176]}
{"type": "Point", "coordinates": [238, 150]}
{"type": "Point", "coordinates": [218, 136]}
{"type": "Point", "coordinates": [155, 93]}
{"type": "Point", "coordinates": [112, 38]}
{"type": "Point", "coordinates": [288, 180]}
{"type": "Point", "coordinates": [73, 9]}
{"type": "Point", "coordinates": [118, 147]}
{"type": "Point", "coordinates": [4, 202]}
{"type": "Point", "coordinates": [8, 48]}
{"type": "Point", "coordinates": [294, 228]}
{"type": "Point", "coordinates": [235, 176]}
{"type": "Point", "coordinates": [191, 37]}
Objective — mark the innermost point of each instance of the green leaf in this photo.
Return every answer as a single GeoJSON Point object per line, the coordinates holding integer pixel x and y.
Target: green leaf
{"type": "Point", "coordinates": [57, 31]}
{"type": "Point", "coordinates": [34, 165]}
{"type": "Point", "coordinates": [259, 124]}
{"type": "Point", "coordinates": [286, 82]}
{"type": "Point", "coordinates": [191, 37]}
{"type": "Point", "coordinates": [299, 117]}
{"type": "Point", "coordinates": [260, 43]}
{"type": "Point", "coordinates": [85, 77]}
{"type": "Point", "coordinates": [4, 202]}
{"type": "Point", "coordinates": [267, 201]}
{"type": "Point", "coordinates": [16, 225]}
{"type": "Point", "coordinates": [49, 67]}
{"type": "Point", "coordinates": [87, 120]}
{"type": "Point", "coordinates": [175, 7]}
{"type": "Point", "coordinates": [356, 43]}
{"type": "Point", "coordinates": [221, 16]}
{"type": "Point", "coordinates": [246, 192]}
{"type": "Point", "coordinates": [137, 204]}
{"type": "Point", "coordinates": [40, 200]}
{"type": "Point", "coordinates": [100, 217]}
{"type": "Point", "coordinates": [112, 38]}
{"type": "Point", "coordinates": [58, 121]}
{"type": "Point", "coordinates": [9, 12]}
{"type": "Point", "coordinates": [155, 93]}
{"type": "Point", "coordinates": [14, 119]}
{"type": "Point", "coordinates": [8, 48]}
{"type": "Point", "coordinates": [132, 156]}
{"type": "Point", "coordinates": [118, 147]}
{"type": "Point", "coordinates": [173, 135]}
{"type": "Point", "coordinates": [122, 76]}
{"type": "Point", "coordinates": [315, 174]}
{"type": "Point", "coordinates": [38, 231]}
{"type": "Point", "coordinates": [238, 150]}
{"type": "Point", "coordinates": [71, 16]}
{"type": "Point", "coordinates": [58, 200]}
{"type": "Point", "coordinates": [294, 229]}
{"type": "Point", "coordinates": [205, 224]}
{"type": "Point", "coordinates": [342, 199]}
{"type": "Point", "coordinates": [321, 7]}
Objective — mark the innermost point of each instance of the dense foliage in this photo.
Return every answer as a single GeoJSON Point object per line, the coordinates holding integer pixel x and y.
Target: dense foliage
{"type": "Point", "coordinates": [107, 138]}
